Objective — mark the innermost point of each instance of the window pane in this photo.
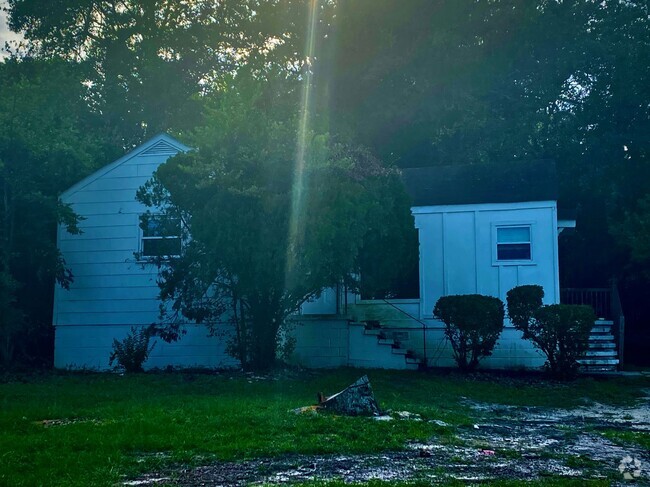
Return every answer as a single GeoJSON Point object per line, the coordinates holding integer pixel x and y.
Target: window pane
{"type": "Point", "coordinates": [513, 234]}
{"type": "Point", "coordinates": [159, 226]}
{"type": "Point", "coordinates": [513, 251]}
{"type": "Point", "coordinates": [160, 247]}
{"type": "Point", "coordinates": [150, 227]}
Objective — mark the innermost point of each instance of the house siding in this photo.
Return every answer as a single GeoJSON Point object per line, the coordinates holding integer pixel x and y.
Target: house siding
{"type": "Point", "coordinates": [458, 256]}
{"type": "Point", "coordinates": [458, 246]}
{"type": "Point", "coordinates": [112, 291]}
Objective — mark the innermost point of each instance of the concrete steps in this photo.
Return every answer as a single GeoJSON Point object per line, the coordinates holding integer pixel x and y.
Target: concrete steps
{"type": "Point", "coordinates": [601, 337]}
{"type": "Point", "coordinates": [376, 348]}
{"type": "Point", "coordinates": [602, 355]}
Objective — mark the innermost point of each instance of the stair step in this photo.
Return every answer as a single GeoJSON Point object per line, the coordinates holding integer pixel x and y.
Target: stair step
{"type": "Point", "coordinates": [602, 345]}
{"type": "Point", "coordinates": [386, 341]}
{"type": "Point", "coordinates": [373, 331]}
{"type": "Point", "coordinates": [372, 324]}
{"type": "Point", "coordinates": [603, 322]}
{"type": "Point", "coordinates": [413, 360]}
{"type": "Point", "coordinates": [601, 329]}
{"type": "Point", "coordinates": [603, 338]}
{"type": "Point", "coordinates": [600, 361]}
{"type": "Point", "coordinates": [598, 368]}
{"type": "Point", "coordinates": [400, 351]}
{"type": "Point", "coordinates": [602, 353]}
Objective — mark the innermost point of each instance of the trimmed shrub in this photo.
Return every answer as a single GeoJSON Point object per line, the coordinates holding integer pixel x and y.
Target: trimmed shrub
{"type": "Point", "coordinates": [133, 351]}
{"type": "Point", "coordinates": [473, 324]}
{"type": "Point", "coordinates": [560, 331]}
{"type": "Point", "coordinates": [523, 301]}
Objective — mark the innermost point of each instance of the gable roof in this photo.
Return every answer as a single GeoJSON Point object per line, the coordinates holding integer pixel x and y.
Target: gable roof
{"type": "Point", "coordinates": [161, 144]}
{"type": "Point", "coordinates": [507, 182]}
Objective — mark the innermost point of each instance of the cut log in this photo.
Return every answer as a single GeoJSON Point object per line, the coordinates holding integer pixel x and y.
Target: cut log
{"type": "Point", "coordinates": [355, 400]}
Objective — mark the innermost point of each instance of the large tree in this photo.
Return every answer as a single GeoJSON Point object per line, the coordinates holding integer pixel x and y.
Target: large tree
{"type": "Point", "coordinates": [436, 82]}
{"type": "Point", "coordinates": [46, 144]}
{"type": "Point", "coordinates": [274, 214]}
{"type": "Point", "coordinates": [150, 60]}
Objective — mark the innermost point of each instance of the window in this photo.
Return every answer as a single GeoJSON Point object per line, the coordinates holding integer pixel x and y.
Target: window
{"type": "Point", "coordinates": [513, 243]}
{"type": "Point", "coordinates": [161, 236]}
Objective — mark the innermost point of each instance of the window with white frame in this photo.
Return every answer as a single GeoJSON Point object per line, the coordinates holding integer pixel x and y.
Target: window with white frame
{"type": "Point", "coordinates": [161, 236]}
{"type": "Point", "coordinates": [514, 243]}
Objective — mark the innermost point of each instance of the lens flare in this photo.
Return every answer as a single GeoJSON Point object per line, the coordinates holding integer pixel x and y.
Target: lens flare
{"type": "Point", "coordinates": [297, 218]}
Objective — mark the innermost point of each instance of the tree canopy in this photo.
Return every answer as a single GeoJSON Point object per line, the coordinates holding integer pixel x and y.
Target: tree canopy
{"type": "Point", "coordinates": [274, 215]}
{"type": "Point", "coordinates": [149, 60]}
{"type": "Point", "coordinates": [46, 143]}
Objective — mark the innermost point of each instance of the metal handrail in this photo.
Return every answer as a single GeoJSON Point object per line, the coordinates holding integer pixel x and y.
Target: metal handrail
{"type": "Point", "coordinates": [619, 320]}
{"type": "Point", "coordinates": [425, 328]}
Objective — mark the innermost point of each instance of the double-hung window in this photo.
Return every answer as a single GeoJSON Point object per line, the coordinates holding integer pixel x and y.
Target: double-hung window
{"type": "Point", "coordinates": [161, 236]}
{"type": "Point", "coordinates": [513, 243]}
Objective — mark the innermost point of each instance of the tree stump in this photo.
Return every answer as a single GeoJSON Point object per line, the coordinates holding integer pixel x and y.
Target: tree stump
{"type": "Point", "coordinates": [355, 400]}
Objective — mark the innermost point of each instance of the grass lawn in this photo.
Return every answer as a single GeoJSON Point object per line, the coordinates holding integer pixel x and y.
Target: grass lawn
{"type": "Point", "coordinates": [100, 429]}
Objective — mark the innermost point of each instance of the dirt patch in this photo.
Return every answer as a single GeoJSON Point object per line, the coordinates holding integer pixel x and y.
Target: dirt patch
{"type": "Point", "coordinates": [506, 443]}
{"type": "Point", "coordinates": [636, 418]}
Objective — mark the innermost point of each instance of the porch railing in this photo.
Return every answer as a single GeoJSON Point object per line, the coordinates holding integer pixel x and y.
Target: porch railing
{"type": "Point", "coordinates": [598, 298]}
{"type": "Point", "coordinates": [619, 321]}
{"type": "Point", "coordinates": [607, 305]}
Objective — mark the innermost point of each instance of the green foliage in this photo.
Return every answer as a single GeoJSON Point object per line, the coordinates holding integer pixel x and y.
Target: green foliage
{"type": "Point", "coordinates": [149, 60]}
{"type": "Point", "coordinates": [453, 82]}
{"type": "Point", "coordinates": [634, 232]}
{"type": "Point", "coordinates": [522, 302]}
{"type": "Point", "coordinates": [11, 318]}
{"type": "Point", "coordinates": [47, 143]}
{"type": "Point", "coordinates": [429, 81]}
{"type": "Point", "coordinates": [133, 350]}
{"type": "Point", "coordinates": [560, 331]}
{"type": "Point", "coordinates": [473, 324]}
{"type": "Point", "coordinates": [640, 438]}
{"type": "Point", "coordinates": [276, 213]}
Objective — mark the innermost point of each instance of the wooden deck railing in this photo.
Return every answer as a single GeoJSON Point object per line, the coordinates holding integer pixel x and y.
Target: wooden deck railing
{"type": "Point", "coordinates": [607, 305]}
{"type": "Point", "coordinates": [598, 298]}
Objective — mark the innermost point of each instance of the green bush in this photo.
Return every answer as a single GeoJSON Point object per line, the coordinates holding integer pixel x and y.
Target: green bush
{"type": "Point", "coordinates": [560, 331]}
{"type": "Point", "coordinates": [473, 324]}
{"type": "Point", "coordinates": [523, 301]}
{"type": "Point", "coordinates": [133, 351]}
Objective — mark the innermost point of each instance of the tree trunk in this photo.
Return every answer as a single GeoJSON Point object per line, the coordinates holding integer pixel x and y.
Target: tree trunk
{"type": "Point", "coordinates": [265, 325]}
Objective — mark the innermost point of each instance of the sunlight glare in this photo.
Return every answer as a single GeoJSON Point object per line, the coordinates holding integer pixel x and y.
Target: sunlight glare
{"type": "Point", "coordinates": [297, 218]}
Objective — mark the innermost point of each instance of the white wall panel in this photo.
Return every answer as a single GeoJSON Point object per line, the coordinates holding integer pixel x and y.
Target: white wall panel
{"type": "Point", "coordinates": [457, 244]}
{"type": "Point", "coordinates": [459, 247]}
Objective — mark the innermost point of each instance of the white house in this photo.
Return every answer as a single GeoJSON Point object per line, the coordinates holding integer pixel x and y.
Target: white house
{"type": "Point", "coordinates": [482, 230]}
{"type": "Point", "coordinates": [112, 291]}
{"type": "Point", "coordinates": [479, 232]}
